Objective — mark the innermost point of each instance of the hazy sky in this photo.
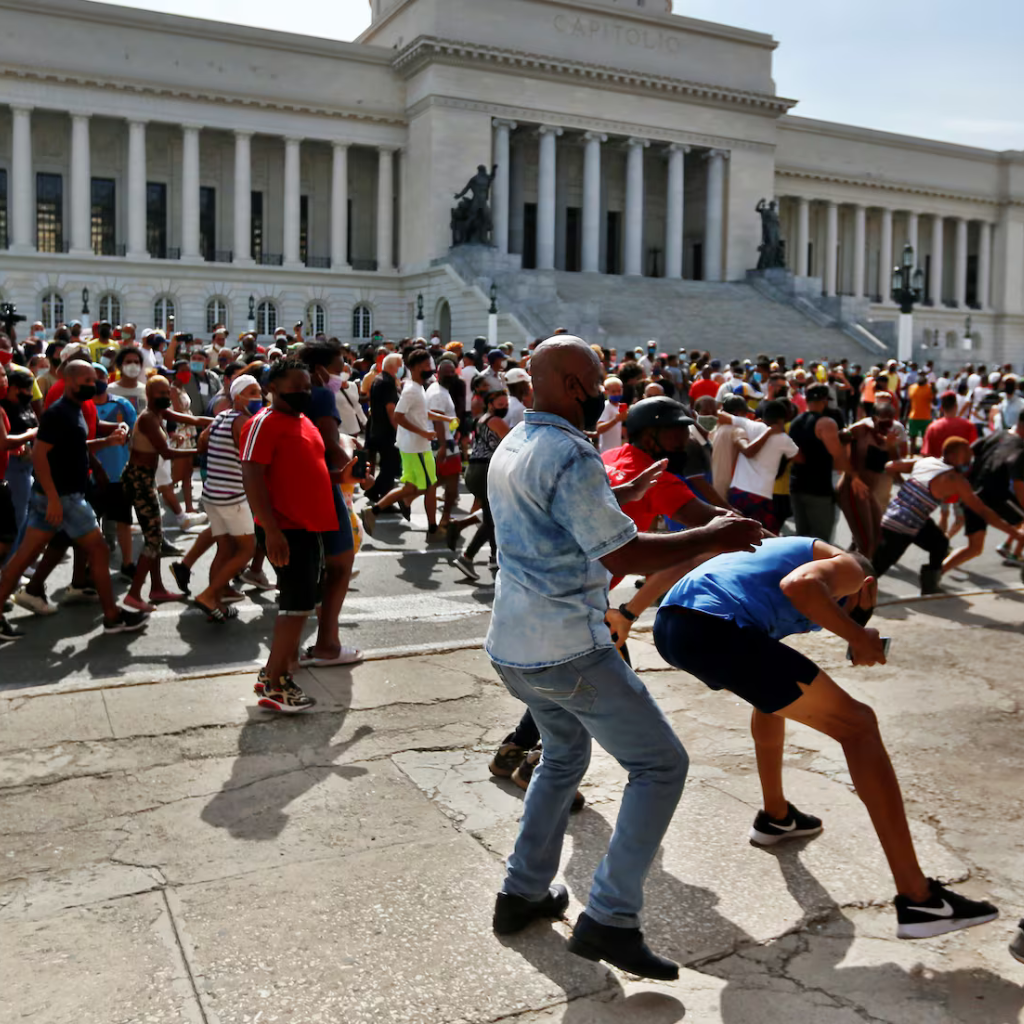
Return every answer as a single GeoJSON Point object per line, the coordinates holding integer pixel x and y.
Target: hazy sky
{"type": "Point", "coordinates": [940, 69]}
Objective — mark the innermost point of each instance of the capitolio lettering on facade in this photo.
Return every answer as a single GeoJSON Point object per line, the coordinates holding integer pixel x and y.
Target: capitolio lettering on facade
{"type": "Point", "coordinates": [616, 32]}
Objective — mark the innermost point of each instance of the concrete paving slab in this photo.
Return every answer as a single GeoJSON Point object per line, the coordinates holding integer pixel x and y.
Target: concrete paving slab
{"type": "Point", "coordinates": [29, 724]}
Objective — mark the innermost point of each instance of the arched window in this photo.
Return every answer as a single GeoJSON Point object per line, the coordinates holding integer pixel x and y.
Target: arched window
{"type": "Point", "coordinates": [362, 323]}
{"type": "Point", "coordinates": [316, 319]}
{"type": "Point", "coordinates": [163, 310]}
{"type": "Point", "coordinates": [951, 339]}
{"type": "Point", "coordinates": [216, 313]}
{"type": "Point", "coordinates": [52, 312]}
{"type": "Point", "coordinates": [110, 308]}
{"type": "Point", "coordinates": [266, 317]}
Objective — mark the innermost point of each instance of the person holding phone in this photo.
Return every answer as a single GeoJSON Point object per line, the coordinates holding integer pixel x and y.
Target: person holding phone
{"type": "Point", "coordinates": [609, 426]}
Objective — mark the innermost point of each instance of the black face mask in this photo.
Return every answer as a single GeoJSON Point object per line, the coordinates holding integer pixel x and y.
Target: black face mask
{"type": "Point", "coordinates": [300, 401]}
{"type": "Point", "coordinates": [85, 392]}
{"type": "Point", "coordinates": [500, 413]}
{"type": "Point", "coordinates": [426, 375]}
{"type": "Point", "coordinates": [677, 462]}
{"type": "Point", "coordinates": [24, 397]}
{"type": "Point", "coordinates": [161, 403]}
{"type": "Point", "coordinates": [592, 406]}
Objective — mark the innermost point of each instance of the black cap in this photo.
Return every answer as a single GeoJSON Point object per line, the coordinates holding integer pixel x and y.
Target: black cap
{"type": "Point", "coordinates": [817, 393]}
{"type": "Point", "coordinates": [656, 412]}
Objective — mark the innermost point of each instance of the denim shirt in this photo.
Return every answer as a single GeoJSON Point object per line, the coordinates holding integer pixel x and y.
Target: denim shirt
{"type": "Point", "coordinates": [554, 516]}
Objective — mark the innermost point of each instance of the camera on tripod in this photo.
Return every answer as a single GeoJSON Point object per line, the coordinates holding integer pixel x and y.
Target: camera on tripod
{"type": "Point", "coordinates": [9, 316]}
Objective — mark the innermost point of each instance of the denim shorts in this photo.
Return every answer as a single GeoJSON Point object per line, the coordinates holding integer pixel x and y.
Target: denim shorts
{"type": "Point", "coordinates": [79, 518]}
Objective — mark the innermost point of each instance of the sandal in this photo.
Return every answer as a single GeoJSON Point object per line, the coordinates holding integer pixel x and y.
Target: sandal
{"type": "Point", "coordinates": [212, 614]}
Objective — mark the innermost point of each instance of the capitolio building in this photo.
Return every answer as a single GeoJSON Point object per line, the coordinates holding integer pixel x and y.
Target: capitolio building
{"type": "Point", "coordinates": [602, 165]}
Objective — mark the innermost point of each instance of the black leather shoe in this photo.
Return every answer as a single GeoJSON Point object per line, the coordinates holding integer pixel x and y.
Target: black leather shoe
{"type": "Point", "coordinates": [621, 947]}
{"type": "Point", "coordinates": [513, 913]}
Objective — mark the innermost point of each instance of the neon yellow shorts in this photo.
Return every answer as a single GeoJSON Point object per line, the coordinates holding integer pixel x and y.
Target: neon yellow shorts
{"type": "Point", "coordinates": [419, 469]}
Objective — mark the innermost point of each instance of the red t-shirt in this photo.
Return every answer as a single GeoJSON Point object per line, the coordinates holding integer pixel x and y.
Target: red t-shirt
{"type": "Point", "coordinates": [89, 413]}
{"type": "Point", "coordinates": [297, 476]}
{"type": "Point", "coordinates": [665, 498]}
{"type": "Point", "coordinates": [942, 429]}
{"type": "Point", "coordinates": [703, 389]}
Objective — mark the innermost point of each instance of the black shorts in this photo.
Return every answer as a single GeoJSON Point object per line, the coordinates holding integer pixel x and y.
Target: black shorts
{"type": "Point", "coordinates": [8, 521]}
{"type": "Point", "coordinates": [1008, 510]}
{"type": "Point", "coordinates": [725, 656]}
{"type": "Point", "coordinates": [111, 503]}
{"type": "Point", "coordinates": [299, 582]}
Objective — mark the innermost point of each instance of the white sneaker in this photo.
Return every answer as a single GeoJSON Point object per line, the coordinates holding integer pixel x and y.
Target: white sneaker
{"type": "Point", "coordinates": [39, 605]}
{"type": "Point", "coordinates": [187, 519]}
{"type": "Point", "coordinates": [257, 579]}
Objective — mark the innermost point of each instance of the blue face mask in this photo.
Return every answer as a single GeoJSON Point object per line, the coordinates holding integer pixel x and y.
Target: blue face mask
{"type": "Point", "coordinates": [197, 365]}
{"type": "Point", "coordinates": [101, 387]}
{"type": "Point", "coordinates": [255, 405]}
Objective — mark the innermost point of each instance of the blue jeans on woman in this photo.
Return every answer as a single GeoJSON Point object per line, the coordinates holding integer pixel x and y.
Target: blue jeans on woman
{"type": "Point", "coordinates": [597, 695]}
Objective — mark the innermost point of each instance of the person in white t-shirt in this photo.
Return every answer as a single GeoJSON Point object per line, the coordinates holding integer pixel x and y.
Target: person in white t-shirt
{"type": "Point", "coordinates": [761, 454]}
{"type": "Point", "coordinates": [468, 372]}
{"type": "Point", "coordinates": [520, 395]}
{"type": "Point", "coordinates": [416, 434]}
{"type": "Point", "coordinates": [442, 412]}
{"type": "Point", "coordinates": [609, 426]}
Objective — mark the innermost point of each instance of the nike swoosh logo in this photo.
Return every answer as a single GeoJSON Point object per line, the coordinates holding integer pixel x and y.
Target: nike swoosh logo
{"type": "Point", "coordinates": [784, 828]}
{"type": "Point", "coordinates": [944, 911]}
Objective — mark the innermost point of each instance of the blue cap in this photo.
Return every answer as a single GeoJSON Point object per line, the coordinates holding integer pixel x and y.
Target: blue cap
{"type": "Point", "coordinates": [495, 353]}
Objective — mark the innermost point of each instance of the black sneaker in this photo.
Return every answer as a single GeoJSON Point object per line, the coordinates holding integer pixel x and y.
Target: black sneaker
{"type": "Point", "coordinates": [168, 550]}
{"type": "Point", "coordinates": [182, 576]}
{"type": "Point", "coordinates": [1017, 946]}
{"type": "Point", "coordinates": [513, 913]}
{"type": "Point", "coordinates": [507, 758]}
{"type": "Point", "coordinates": [128, 572]}
{"type": "Point", "coordinates": [262, 681]}
{"type": "Point", "coordinates": [126, 622]}
{"type": "Point", "coordinates": [406, 511]}
{"type": "Point", "coordinates": [451, 536]}
{"type": "Point", "coordinates": [9, 632]}
{"type": "Point", "coordinates": [931, 580]}
{"type": "Point", "coordinates": [621, 947]}
{"type": "Point", "coordinates": [465, 566]}
{"type": "Point", "coordinates": [944, 911]}
{"type": "Point", "coordinates": [768, 831]}
{"type": "Point", "coordinates": [285, 697]}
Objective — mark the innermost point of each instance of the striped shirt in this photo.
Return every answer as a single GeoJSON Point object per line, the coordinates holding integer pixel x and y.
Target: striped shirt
{"type": "Point", "coordinates": [914, 503]}
{"type": "Point", "coordinates": [223, 465]}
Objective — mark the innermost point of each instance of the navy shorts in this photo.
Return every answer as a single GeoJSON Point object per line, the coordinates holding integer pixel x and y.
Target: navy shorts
{"type": "Point", "coordinates": [339, 541]}
{"type": "Point", "coordinates": [726, 656]}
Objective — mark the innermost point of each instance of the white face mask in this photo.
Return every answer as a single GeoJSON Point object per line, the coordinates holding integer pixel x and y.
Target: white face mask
{"type": "Point", "coordinates": [345, 376]}
{"type": "Point", "coordinates": [131, 370]}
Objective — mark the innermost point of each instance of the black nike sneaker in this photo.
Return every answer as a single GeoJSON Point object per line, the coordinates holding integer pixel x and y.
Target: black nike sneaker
{"type": "Point", "coordinates": [944, 911]}
{"type": "Point", "coordinates": [767, 831]}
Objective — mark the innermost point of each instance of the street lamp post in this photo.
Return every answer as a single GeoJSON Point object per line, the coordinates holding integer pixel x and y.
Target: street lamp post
{"type": "Point", "coordinates": [252, 312]}
{"type": "Point", "coordinates": [907, 288]}
{"type": "Point", "coordinates": [85, 302]}
{"type": "Point", "coordinates": [419, 315]}
{"type": "Point", "coordinates": [968, 344]}
{"type": "Point", "coordinates": [492, 317]}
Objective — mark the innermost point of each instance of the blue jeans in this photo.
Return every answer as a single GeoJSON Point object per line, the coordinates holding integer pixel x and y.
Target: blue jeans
{"type": "Point", "coordinates": [599, 696]}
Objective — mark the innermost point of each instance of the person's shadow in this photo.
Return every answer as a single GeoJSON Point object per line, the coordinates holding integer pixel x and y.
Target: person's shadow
{"type": "Point", "coordinates": [279, 759]}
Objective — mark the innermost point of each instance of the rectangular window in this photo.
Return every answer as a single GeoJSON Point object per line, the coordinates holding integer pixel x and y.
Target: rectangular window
{"type": "Point", "coordinates": [256, 225]}
{"type": "Point", "coordinates": [103, 226]}
{"type": "Point", "coordinates": [973, 299]}
{"type": "Point", "coordinates": [573, 237]}
{"type": "Point", "coordinates": [208, 223]}
{"type": "Point", "coordinates": [303, 228]}
{"type": "Point", "coordinates": [613, 249]}
{"type": "Point", "coordinates": [49, 213]}
{"type": "Point", "coordinates": [3, 208]}
{"type": "Point", "coordinates": [348, 233]}
{"type": "Point", "coordinates": [156, 219]}
{"type": "Point", "coordinates": [529, 236]}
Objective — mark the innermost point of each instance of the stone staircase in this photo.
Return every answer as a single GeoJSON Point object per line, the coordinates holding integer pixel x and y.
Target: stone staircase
{"type": "Point", "coordinates": [735, 320]}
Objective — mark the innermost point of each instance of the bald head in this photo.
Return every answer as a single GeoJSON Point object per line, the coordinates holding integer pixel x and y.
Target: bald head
{"type": "Point", "coordinates": [76, 371]}
{"type": "Point", "coordinates": [392, 364]}
{"type": "Point", "coordinates": [566, 372]}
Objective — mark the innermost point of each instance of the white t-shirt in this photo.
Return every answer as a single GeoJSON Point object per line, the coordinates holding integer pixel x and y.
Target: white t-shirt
{"type": "Point", "coordinates": [439, 399]}
{"type": "Point", "coordinates": [413, 404]}
{"type": "Point", "coordinates": [757, 475]}
{"type": "Point", "coordinates": [980, 416]}
{"type": "Point", "coordinates": [612, 437]}
{"type": "Point", "coordinates": [468, 373]}
{"type": "Point", "coordinates": [1010, 410]}
{"type": "Point", "coordinates": [973, 381]}
{"type": "Point", "coordinates": [516, 411]}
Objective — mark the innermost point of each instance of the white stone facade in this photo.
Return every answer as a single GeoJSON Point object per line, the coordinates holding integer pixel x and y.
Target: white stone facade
{"type": "Point", "coordinates": [628, 141]}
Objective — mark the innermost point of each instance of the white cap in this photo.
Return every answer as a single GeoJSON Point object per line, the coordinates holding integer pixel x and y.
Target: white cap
{"type": "Point", "coordinates": [146, 332]}
{"type": "Point", "coordinates": [240, 383]}
{"type": "Point", "coordinates": [995, 377]}
{"type": "Point", "coordinates": [517, 375]}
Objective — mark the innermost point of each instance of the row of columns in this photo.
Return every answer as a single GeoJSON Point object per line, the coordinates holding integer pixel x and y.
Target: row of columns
{"type": "Point", "coordinates": [23, 205]}
{"type": "Point", "coordinates": [889, 259]}
{"type": "Point", "coordinates": [591, 211]}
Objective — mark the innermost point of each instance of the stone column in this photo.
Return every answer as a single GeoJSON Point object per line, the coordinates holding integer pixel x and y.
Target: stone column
{"type": "Point", "coordinates": [674, 211]}
{"type": "Point", "coordinates": [912, 234]}
{"type": "Point", "coordinates": [339, 207]}
{"type": "Point", "coordinates": [885, 263]}
{"type": "Point", "coordinates": [385, 207]}
{"type": "Point", "coordinates": [591, 261]}
{"type": "Point", "coordinates": [243, 198]}
{"type": "Point", "coordinates": [546, 197]}
{"type": "Point", "coordinates": [635, 206]}
{"type": "Point", "coordinates": [137, 191]}
{"type": "Point", "coordinates": [292, 201]}
{"type": "Point", "coordinates": [714, 215]}
{"type": "Point", "coordinates": [960, 282]}
{"type": "Point", "coordinates": [831, 247]}
{"type": "Point", "coordinates": [984, 264]}
{"type": "Point", "coordinates": [937, 261]}
{"type": "Point", "coordinates": [21, 200]}
{"type": "Point", "coordinates": [803, 235]}
{"type": "Point", "coordinates": [500, 189]}
{"type": "Point", "coordinates": [190, 193]}
{"type": "Point", "coordinates": [860, 239]}
{"type": "Point", "coordinates": [81, 187]}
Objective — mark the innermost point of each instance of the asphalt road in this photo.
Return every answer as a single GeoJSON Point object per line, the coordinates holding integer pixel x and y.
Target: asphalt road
{"type": "Point", "coordinates": [407, 598]}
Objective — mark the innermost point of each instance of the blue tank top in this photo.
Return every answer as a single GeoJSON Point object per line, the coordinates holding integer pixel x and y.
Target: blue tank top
{"type": "Point", "coordinates": [744, 586]}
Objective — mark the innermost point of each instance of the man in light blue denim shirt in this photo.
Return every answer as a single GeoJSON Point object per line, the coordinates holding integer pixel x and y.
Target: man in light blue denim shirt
{"type": "Point", "coordinates": [560, 532]}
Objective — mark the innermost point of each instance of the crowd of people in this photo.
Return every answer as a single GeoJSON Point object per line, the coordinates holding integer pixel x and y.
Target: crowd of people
{"type": "Point", "coordinates": [718, 483]}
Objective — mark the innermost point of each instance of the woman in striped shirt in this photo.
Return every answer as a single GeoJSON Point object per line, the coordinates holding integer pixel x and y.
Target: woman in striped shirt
{"type": "Point", "coordinates": [224, 497]}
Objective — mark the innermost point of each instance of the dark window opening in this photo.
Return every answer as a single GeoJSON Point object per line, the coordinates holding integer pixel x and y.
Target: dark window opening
{"type": "Point", "coordinates": [529, 236]}
{"type": "Point", "coordinates": [156, 220]}
{"type": "Point", "coordinates": [613, 239]}
{"type": "Point", "coordinates": [972, 282]}
{"type": "Point", "coordinates": [3, 208]}
{"type": "Point", "coordinates": [256, 225]}
{"type": "Point", "coordinates": [573, 237]}
{"type": "Point", "coordinates": [303, 228]}
{"type": "Point", "coordinates": [208, 223]}
{"type": "Point", "coordinates": [103, 219]}
{"type": "Point", "coordinates": [49, 213]}
{"type": "Point", "coordinates": [348, 234]}
{"type": "Point", "coordinates": [698, 261]}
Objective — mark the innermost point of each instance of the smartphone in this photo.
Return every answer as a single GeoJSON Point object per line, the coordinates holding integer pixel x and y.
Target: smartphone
{"type": "Point", "coordinates": [886, 644]}
{"type": "Point", "coordinates": [185, 338]}
{"type": "Point", "coordinates": [360, 468]}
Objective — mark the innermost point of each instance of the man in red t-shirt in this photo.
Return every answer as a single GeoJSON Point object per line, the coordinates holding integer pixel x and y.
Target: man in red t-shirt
{"type": "Point", "coordinates": [704, 385]}
{"type": "Point", "coordinates": [946, 426]}
{"type": "Point", "coordinates": [288, 486]}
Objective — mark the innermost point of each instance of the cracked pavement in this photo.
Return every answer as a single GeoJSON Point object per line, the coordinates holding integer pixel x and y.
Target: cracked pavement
{"type": "Point", "coordinates": [170, 853]}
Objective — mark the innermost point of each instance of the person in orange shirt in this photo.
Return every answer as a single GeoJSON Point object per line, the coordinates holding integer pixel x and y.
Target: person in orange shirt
{"type": "Point", "coordinates": [867, 394]}
{"type": "Point", "coordinates": [922, 398]}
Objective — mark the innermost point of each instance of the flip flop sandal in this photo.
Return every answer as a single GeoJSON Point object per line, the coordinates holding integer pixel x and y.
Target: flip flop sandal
{"type": "Point", "coordinates": [230, 612]}
{"type": "Point", "coordinates": [212, 614]}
